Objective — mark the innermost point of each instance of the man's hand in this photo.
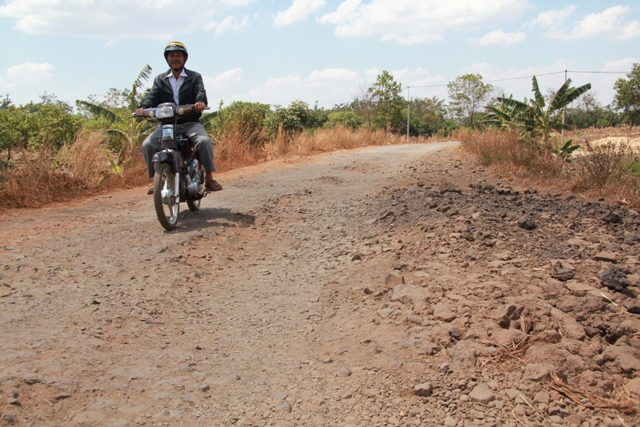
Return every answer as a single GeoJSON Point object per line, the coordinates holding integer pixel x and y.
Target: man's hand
{"type": "Point", "coordinates": [199, 106]}
{"type": "Point", "coordinates": [139, 111]}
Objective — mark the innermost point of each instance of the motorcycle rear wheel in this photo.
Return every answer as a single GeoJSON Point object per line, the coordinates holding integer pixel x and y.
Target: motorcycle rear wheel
{"type": "Point", "coordinates": [164, 197]}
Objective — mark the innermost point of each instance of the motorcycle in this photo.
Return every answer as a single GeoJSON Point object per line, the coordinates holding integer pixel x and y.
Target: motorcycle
{"type": "Point", "coordinates": [179, 174]}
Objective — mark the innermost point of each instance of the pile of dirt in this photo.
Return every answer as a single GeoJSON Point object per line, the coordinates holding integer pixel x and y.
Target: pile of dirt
{"type": "Point", "coordinates": [514, 296]}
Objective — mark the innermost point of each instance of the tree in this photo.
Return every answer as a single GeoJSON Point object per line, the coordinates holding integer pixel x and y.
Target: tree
{"type": "Point", "coordinates": [6, 102]}
{"type": "Point", "coordinates": [627, 96]}
{"type": "Point", "coordinates": [346, 118]}
{"type": "Point", "coordinates": [429, 116]}
{"type": "Point", "coordinates": [50, 124]}
{"type": "Point", "coordinates": [290, 121]}
{"type": "Point", "coordinates": [387, 101]}
{"type": "Point", "coordinates": [245, 119]}
{"type": "Point", "coordinates": [468, 95]}
{"type": "Point", "coordinates": [363, 105]}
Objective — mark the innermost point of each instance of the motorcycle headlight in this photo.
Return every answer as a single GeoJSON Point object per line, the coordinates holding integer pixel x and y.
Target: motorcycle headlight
{"type": "Point", "coordinates": [164, 112]}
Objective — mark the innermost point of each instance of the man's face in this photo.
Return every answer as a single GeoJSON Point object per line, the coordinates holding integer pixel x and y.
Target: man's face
{"type": "Point", "coordinates": [176, 60]}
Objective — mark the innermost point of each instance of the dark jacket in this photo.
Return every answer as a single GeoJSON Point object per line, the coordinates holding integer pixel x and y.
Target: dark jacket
{"type": "Point", "coordinates": [191, 91]}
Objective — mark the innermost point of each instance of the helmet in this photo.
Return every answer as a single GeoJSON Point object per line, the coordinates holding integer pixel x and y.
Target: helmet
{"type": "Point", "coordinates": [175, 46]}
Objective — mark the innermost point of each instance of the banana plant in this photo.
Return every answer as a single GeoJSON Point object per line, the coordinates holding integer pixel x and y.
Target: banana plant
{"type": "Point", "coordinates": [536, 119]}
{"type": "Point", "coordinates": [126, 128]}
{"type": "Point", "coordinates": [565, 151]}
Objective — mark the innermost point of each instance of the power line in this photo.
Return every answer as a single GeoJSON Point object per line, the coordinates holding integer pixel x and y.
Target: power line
{"type": "Point", "coordinates": [505, 79]}
{"type": "Point", "coordinates": [537, 75]}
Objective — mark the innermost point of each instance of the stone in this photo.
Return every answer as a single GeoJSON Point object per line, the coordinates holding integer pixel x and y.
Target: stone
{"type": "Point", "coordinates": [202, 387]}
{"type": "Point", "coordinates": [542, 397]}
{"type": "Point", "coordinates": [573, 420]}
{"type": "Point", "coordinates": [579, 289]}
{"type": "Point", "coordinates": [449, 421]}
{"type": "Point", "coordinates": [538, 371]}
{"type": "Point", "coordinates": [393, 279]}
{"type": "Point", "coordinates": [625, 357]}
{"type": "Point", "coordinates": [31, 379]}
{"type": "Point", "coordinates": [9, 419]}
{"type": "Point", "coordinates": [283, 407]}
{"type": "Point", "coordinates": [482, 393]}
{"type": "Point", "coordinates": [444, 311]}
{"type": "Point", "coordinates": [344, 372]}
{"type": "Point", "coordinates": [527, 223]}
{"type": "Point", "coordinates": [423, 390]}
{"type": "Point", "coordinates": [615, 278]}
{"type": "Point", "coordinates": [385, 312]}
{"type": "Point", "coordinates": [606, 256]}
{"type": "Point", "coordinates": [563, 271]}
{"type": "Point", "coordinates": [634, 386]}
{"type": "Point", "coordinates": [572, 328]}
{"type": "Point", "coordinates": [410, 295]}
{"type": "Point", "coordinates": [466, 352]}
{"type": "Point", "coordinates": [508, 338]}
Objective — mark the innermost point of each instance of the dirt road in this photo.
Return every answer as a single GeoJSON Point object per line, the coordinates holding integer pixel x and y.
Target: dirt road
{"type": "Point", "coordinates": [350, 289]}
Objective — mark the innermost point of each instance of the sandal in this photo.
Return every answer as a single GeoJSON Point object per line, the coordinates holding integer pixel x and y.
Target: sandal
{"type": "Point", "coordinates": [213, 185]}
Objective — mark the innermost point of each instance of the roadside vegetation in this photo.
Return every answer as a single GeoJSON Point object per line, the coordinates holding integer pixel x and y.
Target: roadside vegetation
{"type": "Point", "coordinates": [51, 151]}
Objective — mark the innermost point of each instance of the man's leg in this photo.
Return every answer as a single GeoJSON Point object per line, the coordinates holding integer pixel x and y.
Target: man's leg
{"type": "Point", "coordinates": [197, 135]}
{"type": "Point", "coordinates": [149, 148]}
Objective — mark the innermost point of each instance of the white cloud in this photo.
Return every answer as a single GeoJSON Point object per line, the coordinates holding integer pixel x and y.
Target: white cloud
{"type": "Point", "coordinates": [553, 18]}
{"type": "Point", "coordinates": [30, 72]}
{"type": "Point", "coordinates": [238, 2]}
{"type": "Point", "coordinates": [610, 23]}
{"type": "Point", "coordinates": [500, 37]}
{"type": "Point", "coordinates": [223, 80]}
{"type": "Point", "coordinates": [228, 24]}
{"type": "Point", "coordinates": [331, 76]}
{"type": "Point", "coordinates": [421, 77]}
{"type": "Point", "coordinates": [331, 86]}
{"type": "Point", "coordinates": [277, 90]}
{"type": "Point", "coordinates": [298, 11]}
{"type": "Point", "coordinates": [625, 65]}
{"type": "Point", "coordinates": [410, 21]}
{"type": "Point", "coordinates": [114, 19]}
{"type": "Point", "coordinates": [5, 86]}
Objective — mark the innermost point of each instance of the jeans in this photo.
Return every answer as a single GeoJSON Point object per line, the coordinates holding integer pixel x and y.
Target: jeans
{"type": "Point", "coordinates": [195, 133]}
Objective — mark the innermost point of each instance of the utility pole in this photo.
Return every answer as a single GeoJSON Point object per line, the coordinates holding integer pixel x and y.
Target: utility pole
{"type": "Point", "coordinates": [408, 108]}
{"type": "Point", "coordinates": [564, 112]}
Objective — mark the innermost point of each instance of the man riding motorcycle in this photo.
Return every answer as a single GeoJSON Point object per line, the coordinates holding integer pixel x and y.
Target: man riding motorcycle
{"type": "Point", "coordinates": [180, 86]}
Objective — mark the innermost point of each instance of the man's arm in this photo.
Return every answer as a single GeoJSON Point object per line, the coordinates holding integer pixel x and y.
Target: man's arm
{"type": "Point", "coordinates": [154, 96]}
{"type": "Point", "coordinates": [198, 89]}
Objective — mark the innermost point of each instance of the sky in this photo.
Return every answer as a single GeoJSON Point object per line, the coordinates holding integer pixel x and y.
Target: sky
{"type": "Point", "coordinates": [322, 52]}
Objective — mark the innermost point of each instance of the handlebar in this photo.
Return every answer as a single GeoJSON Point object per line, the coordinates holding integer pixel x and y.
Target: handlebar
{"type": "Point", "coordinates": [180, 110]}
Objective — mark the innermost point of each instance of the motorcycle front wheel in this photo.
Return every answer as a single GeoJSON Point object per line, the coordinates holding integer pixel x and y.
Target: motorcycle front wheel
{"type": "Point", "coordinates": [164, 197]}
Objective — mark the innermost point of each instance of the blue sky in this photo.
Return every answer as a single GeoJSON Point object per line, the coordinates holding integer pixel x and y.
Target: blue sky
{"type": "Point", "coordinates": [317, 51]}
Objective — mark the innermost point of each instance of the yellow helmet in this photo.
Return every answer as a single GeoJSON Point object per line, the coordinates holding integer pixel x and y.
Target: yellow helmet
{"type": "Point", "coordinates": [175, 46]}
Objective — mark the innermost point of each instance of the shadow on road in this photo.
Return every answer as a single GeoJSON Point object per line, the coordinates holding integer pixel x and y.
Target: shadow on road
{"type": "Point", "coordinates": [213, 217]}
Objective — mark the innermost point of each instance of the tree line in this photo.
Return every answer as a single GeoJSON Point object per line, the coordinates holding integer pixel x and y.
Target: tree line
{"type": "Point", "coordinates": [51, 124]}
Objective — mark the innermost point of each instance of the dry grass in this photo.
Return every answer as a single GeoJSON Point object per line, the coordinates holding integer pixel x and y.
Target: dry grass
{"type": "Point", "coordinates": [340, 138]}
{"type": "Point", "coordinates": [505, 151]}
{"type": "Point", "coordinates": [620, 399]}
{"type": "Point", "coordinates": [80, 170]}
{"type": "Point", "coordinates": [601, 169]}
{"type": "Point", "coordinates": [231, 150]}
